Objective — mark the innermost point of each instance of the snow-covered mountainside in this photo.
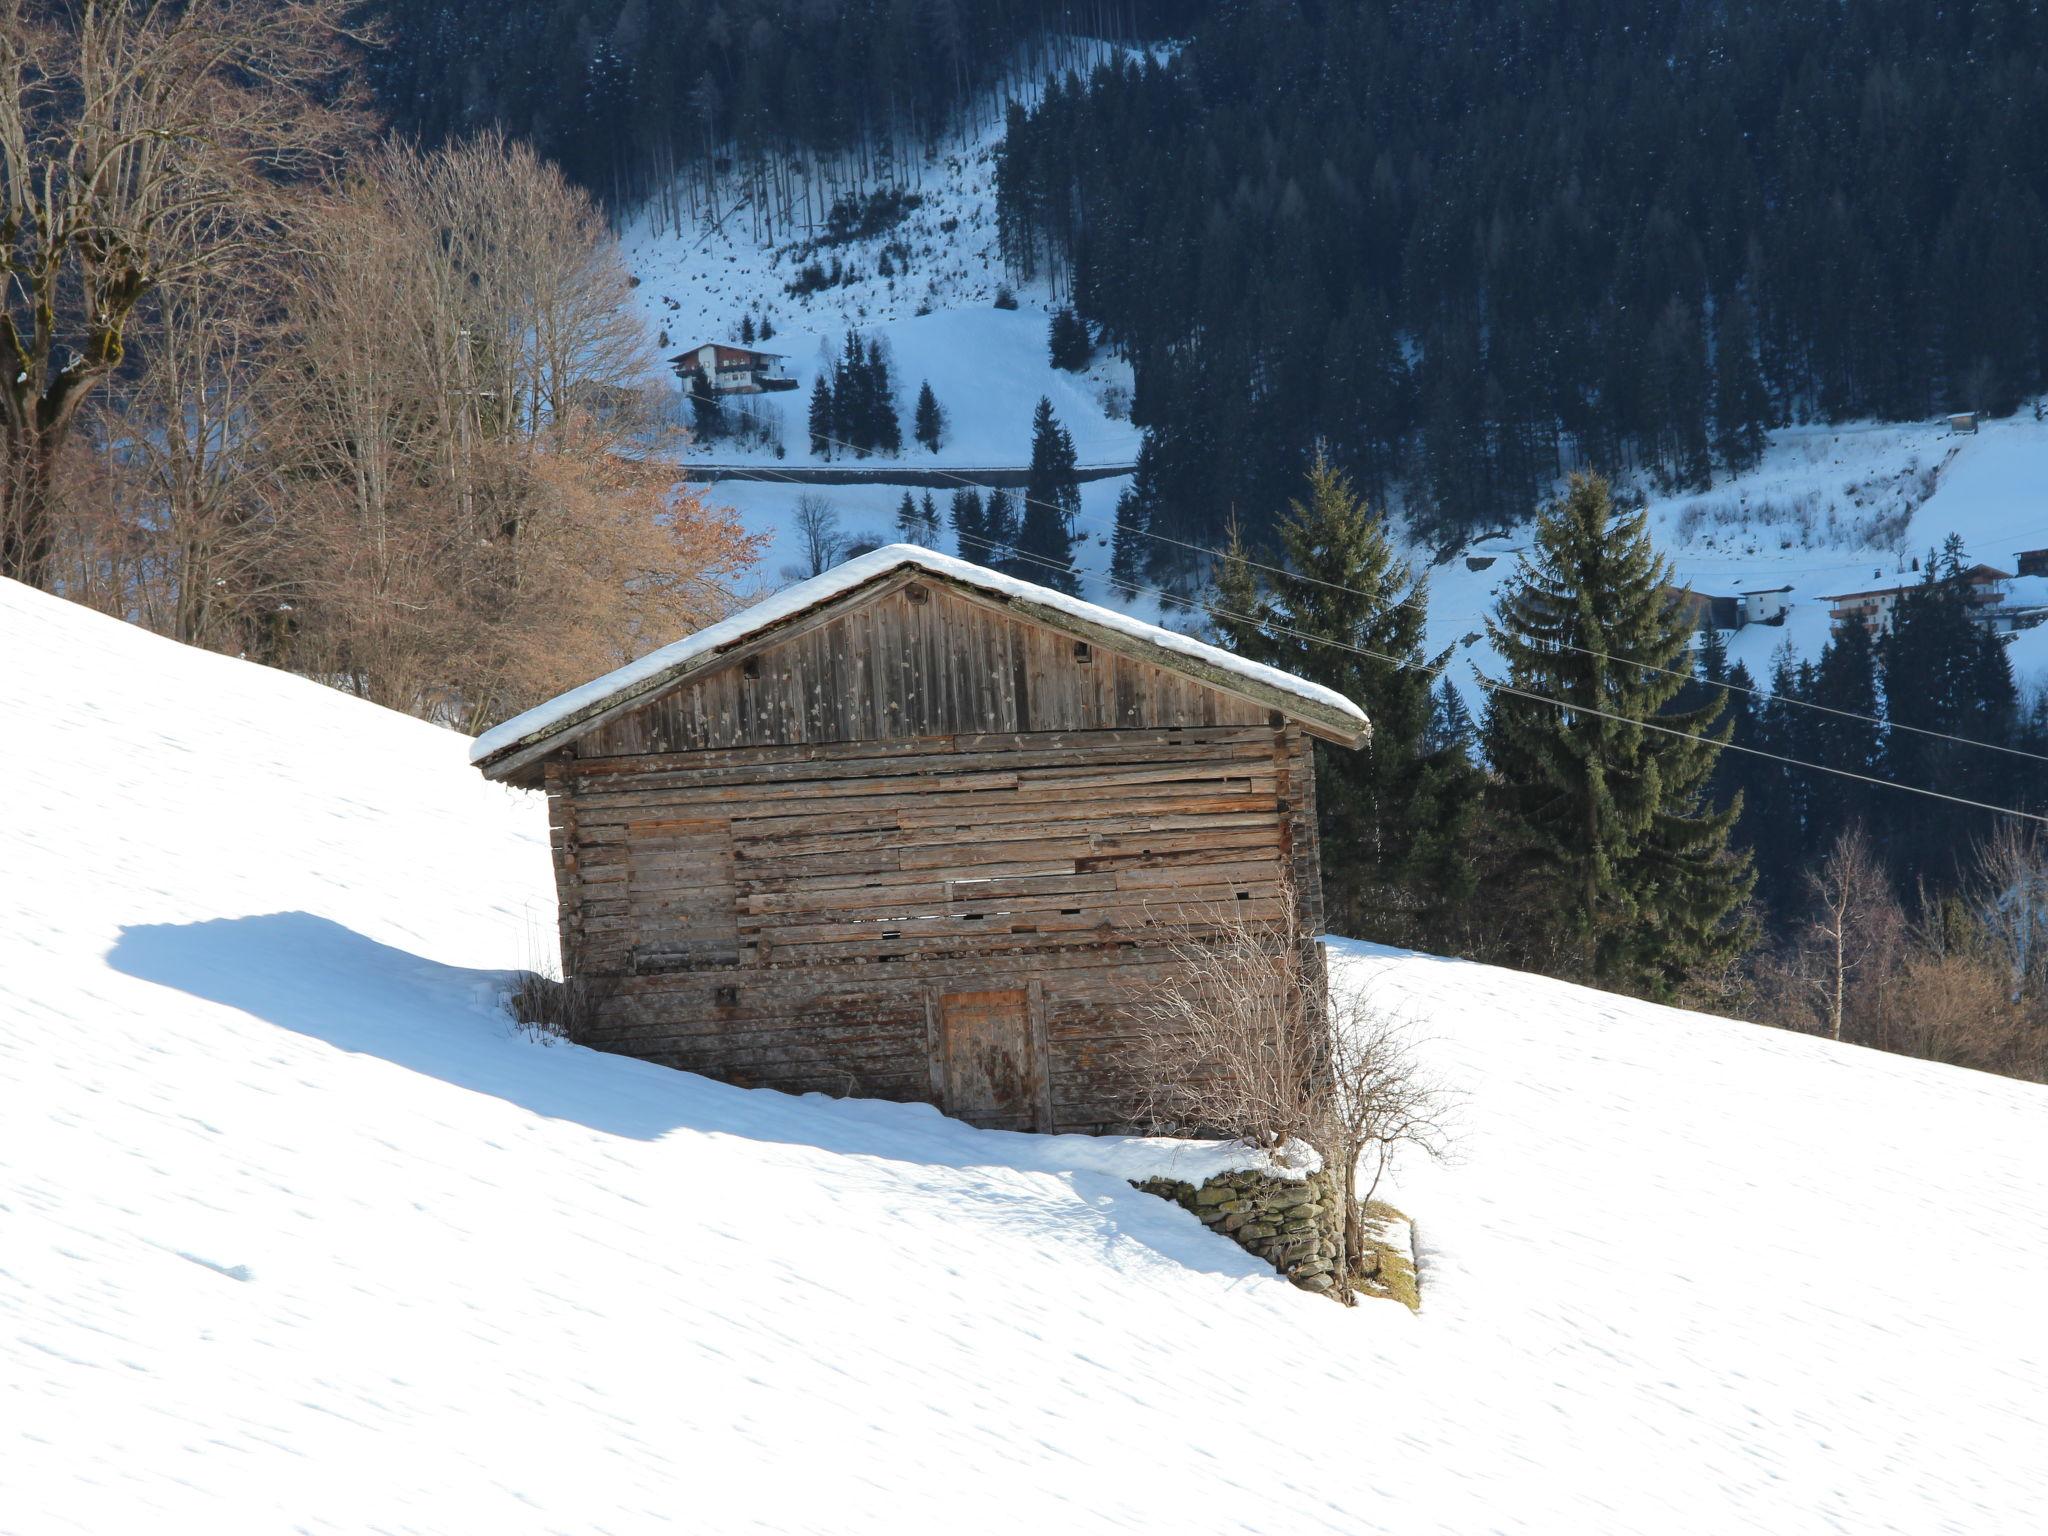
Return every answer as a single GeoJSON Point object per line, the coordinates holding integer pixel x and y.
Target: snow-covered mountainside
{"type": "Point", "coordinates": [924, 286]}
{"type": "Point", "coordinates": [1831, 509]}
{"type": "Point", "coordinates": [298, 1231]}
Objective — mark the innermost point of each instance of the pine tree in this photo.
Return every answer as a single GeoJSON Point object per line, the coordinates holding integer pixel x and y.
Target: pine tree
{"type": "Point", "coordinates": [1053, 479]}
{"type": "Point", "coordinates": [970, 527]}
{"type": "Point", "coordinates": [1004, 526]}
{"type": "Point", "coordinates": [1068, 341]}
{"type": "Point", "coordinates": [1127, 551]}
{"type": "Point", "coordinates": [1052, 500]}
{"type": "Point", "coordinates": [1945, 673]}
{"type": "Point", "coordinates": [885, 431]}
{"type": "Point", "coordinates": [930, 421]}
{"type": "Point", "coordinates": [909, 521]}
{"type": "Point", "coordinates": [1775, 809]}
{"type": "Point", "coordinates": [1610, 818]}
{"type": "Point", "coordinates": [1397, 815]}
{"type": "Point", "coordinates": [1742, 405]}
{"type": "Point", "coordinates": [746, 330]}
{"type": "Point", "coordinates": [822, 416]}
{"type": "Point", "coordinates": [1844, 686]}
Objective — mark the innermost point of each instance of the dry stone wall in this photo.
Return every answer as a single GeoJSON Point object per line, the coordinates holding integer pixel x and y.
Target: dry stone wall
{"type": "Point", "coordinates": [1296, 1225]}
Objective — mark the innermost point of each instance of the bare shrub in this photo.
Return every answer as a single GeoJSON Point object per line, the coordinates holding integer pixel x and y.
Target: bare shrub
{"type": "Point", "coordinates": [549, 1008]}
{"type": "Point", "coordinates": [1241, 1039]}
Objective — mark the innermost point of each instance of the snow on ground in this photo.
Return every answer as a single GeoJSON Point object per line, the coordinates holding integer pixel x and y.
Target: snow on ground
{"type": "Point", "coordinates": [301, 1233]}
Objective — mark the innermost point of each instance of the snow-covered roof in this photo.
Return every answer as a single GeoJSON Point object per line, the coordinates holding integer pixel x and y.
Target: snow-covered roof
{"type": "Point", "coordinates": [546, 726]}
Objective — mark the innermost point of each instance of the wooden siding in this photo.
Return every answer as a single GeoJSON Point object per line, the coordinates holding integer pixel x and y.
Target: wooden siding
{"type": "Point", "coordinates": [789, 916]}
{"type": "Point", "coordinates": [903, 666]}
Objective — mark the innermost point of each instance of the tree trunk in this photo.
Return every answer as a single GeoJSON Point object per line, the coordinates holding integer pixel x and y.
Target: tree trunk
{"type": "Point", "coordinates": [28, 533]}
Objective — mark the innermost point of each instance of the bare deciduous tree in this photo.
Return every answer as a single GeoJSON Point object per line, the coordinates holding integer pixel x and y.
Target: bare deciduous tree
{"type": "Point", "coordinates": [1849, 891]}
{"type": "Point", "coordinates": [478, 515]}
{"type": "Point", "coordinates": [142, 144]}
{"type": "Point", "coordinates": [818, 538]}
{"type": "Point", "coordinates": [1243, 1039]}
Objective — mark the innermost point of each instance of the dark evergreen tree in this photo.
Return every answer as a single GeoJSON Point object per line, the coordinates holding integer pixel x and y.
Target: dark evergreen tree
{"type": "Point", "coordinates": [1610, 819]}
{"type": "Point", "coordinates": [823, 419]}
{"type": "Point", "coordinates": [1052, 480]}
{"type": "Point", "coordinates": [1842, 733]}
{"type": "Point", "coordinates": [1775, 793]}
{"type": "Point", "coordinates": [1342, 609]}
{"type": "Point", "coordinates": [970, 527]}
{"type": "Point", "coordinates": [1742, 405]}
{"type": "Point", "coordinates": [1944, 673]}
{"type": "Point", "coordinates": [746, 330]}
{"type": "Point", "coordinates": [909, 520]}
{"type": "Point", "coordinates": [1127, 546]}
{"type": "Point", "coordinates": [1069, 342]}
{"type": "Point", "coordinates": [1003, 523]}
{"type": "Point", "coordinates": [929, 421]}
{"type": "Point", "coordinates": [884, 429]}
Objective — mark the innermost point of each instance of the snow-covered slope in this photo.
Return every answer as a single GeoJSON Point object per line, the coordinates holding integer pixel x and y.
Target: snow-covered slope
{"type": "Point", "coordinates": [297, 1231]}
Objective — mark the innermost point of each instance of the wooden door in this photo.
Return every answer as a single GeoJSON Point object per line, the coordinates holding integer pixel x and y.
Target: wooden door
{"type": "Point", "coordinates": [988, 1058]}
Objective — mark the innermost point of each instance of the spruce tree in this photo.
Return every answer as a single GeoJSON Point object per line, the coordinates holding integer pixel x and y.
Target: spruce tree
{"type": "Point", "coordinates": [1774, 806]}
{"type": "Point", "coordinates": [1343, 610]}
{"type": "Point", "coordinates": [909, 521]}
{"type": "Point", "coordinates": [821, 418]}
{"type": "Point", "coordinates": [1944, 672]}
{"type": "Point", "coordinates": [746, 330]}
{"type": "Point", "coordinates": [1053, 479]}
{"type": "Point", "coordinates": [970, 527]}
{"type": "Point", "coordinates": [930, 421]}
{"type": "Point", "coordinates": [1052, 500]}
{"type": "Point", "coordinates": [885, 431]}
{"type": "Point", "coordinates": [1003, 526]}
{"type": "Point", "coordinates": [928, 518]}
{"type": "Point", "coordinates": [1127, 546]}
{"type": "Point", "coordinates": [1608, 817]}
{"type": "Point", "coordinates": [1843, 733]}
{"type": "Point", "coordinates": [1069, 342]}
{"type": "Point", "coordinates": [1742, 405]}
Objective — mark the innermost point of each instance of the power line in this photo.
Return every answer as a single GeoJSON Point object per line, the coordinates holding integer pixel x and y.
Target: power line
{"type": "Point", "coordinates": [1411, 664]}
{"type": "Point", "coordinates": [1422, 608]}
{"type": "Point", "coordinates": [1729, 746]}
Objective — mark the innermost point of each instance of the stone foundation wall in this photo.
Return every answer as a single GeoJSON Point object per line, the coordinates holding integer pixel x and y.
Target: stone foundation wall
{"type": "Point", "coordinates": [1296, 1225]}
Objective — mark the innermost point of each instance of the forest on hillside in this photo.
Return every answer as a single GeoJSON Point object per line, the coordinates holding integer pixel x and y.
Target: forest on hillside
{"type": "Point", "coordinates": [658, 99]}
{"type": "Point", "coordinates": [1471, 246]}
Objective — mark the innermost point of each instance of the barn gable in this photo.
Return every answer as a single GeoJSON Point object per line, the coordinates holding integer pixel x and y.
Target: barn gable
{"type": "Point", "coordinates": [905, 642]}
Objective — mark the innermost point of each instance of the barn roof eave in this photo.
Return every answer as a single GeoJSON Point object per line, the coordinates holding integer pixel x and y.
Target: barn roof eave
{"type": "Point", "coordinates": [512, 752]}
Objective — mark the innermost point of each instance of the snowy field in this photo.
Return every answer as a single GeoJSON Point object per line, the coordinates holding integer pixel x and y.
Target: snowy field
{"type": "Point", "coordinates": [301, 1233]}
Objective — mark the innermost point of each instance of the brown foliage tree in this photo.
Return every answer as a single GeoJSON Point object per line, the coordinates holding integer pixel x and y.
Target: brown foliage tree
{"type": "Point", "coordinates": [142, 144]}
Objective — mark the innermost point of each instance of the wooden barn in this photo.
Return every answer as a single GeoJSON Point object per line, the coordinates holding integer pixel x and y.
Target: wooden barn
{"type": "Point", "coordinates": [915, 830]}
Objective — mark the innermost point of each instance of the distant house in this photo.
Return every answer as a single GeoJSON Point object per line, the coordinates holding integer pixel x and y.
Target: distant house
{"type": "Point", "coordinates": [717, 368]}
{"type": "Point", "coordinates": [1963, 421]}
{"type": "Point", "coordinates": [2032, 562]}
{"type": "Point", "coordinates": [1874, 609]}
{"type": "Point", "coordinates": [1703, 610]}
{"type": "Point", "coordinates": [1765, 605]}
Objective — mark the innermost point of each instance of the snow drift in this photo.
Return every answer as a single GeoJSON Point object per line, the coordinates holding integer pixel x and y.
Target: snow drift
{"type": "Point", "coordinates": [301, 1233]}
